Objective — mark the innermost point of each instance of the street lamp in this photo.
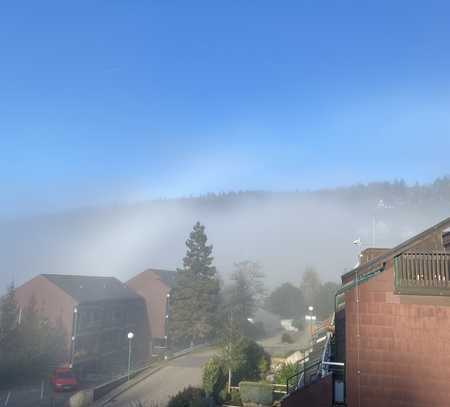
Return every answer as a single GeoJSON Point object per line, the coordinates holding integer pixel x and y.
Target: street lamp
{"type": "Point", "coordinates": [74, 334]}
{"type": "Point", "coordinates": [130, 338]}
{"type": "Point", "coordinates": [166, 321]}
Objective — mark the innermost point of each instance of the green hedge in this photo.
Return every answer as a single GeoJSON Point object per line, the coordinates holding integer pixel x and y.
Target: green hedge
{"type": "Point", "coordinates": [256, 393]}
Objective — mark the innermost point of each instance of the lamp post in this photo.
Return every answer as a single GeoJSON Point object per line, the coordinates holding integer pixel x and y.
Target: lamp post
{"type": "Point", "coordinates": [166, 321]}
{"type": "Point", "coordinates": [310, 318]}
{"type": "Point", "coordinates": [130, 338]}
{"type": "Point", "coordinates": [74, 334]}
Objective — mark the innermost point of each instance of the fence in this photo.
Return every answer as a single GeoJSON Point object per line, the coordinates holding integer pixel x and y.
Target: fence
{"type": "Point", "coordinates": [422, 273]}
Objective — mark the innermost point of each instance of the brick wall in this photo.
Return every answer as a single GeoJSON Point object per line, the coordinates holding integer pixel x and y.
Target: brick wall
{"type": "Point", "coordinates": [319, 394]}
{"type": "Point", "coordinates": [50, 300]}
{"type": "Point", "coordinates": [371, 253]}
{"type": "Point", "coordinates": [404, 347]}
{"type": "Point", "coordinates": [154, 291]}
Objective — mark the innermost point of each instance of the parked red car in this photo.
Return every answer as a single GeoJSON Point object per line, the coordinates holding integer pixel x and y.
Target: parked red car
{"type": "Point", "coordinates": [63, 379]}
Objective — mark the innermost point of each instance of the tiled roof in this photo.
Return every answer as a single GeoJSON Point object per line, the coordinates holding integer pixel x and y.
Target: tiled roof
{"type": "Point", "coordinates": [91, 288]}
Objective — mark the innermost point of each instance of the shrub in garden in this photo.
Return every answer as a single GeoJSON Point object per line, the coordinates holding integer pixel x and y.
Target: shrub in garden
{"type": "Point", "coordinates": [284, 371]}
{"type": "Point", "coordinates": [214, 378]}
{"type": "Point", "coordinates": [189, 397]}
{"type": "Point", "coordinates": [253, 361]}
{"type": "Point", "coordinates": [256, 393]}
{"type": "Point", "coordinates": [286, 338]}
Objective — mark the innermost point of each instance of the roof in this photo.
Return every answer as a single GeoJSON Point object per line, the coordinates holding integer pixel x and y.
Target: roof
{"type": "Point", "coordinates": [91, 288]}
{"type": "Point", "coordinates": [406, 245]}
{"type": "Point", "coordinates": [166, 276]}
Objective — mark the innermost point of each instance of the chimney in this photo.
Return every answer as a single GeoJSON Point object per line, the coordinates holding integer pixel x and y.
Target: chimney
{"type": "Point", "coordinates": [371, 253]}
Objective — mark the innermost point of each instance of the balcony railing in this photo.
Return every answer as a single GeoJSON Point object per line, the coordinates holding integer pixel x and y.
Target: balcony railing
{"type": "Point", "coordinates": [422, 273]}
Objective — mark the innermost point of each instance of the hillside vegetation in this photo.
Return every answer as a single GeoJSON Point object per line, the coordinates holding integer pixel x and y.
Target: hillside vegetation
{"type": "Point", "coordinates": [285, 232]}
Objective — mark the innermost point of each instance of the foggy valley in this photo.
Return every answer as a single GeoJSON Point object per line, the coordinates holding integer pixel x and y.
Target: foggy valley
{"type": "Point", "coordinates": [283, 231]}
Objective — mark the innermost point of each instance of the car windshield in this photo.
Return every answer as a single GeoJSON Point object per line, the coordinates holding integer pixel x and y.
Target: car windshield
{"type": "Point", "coordinates": [64, 375]}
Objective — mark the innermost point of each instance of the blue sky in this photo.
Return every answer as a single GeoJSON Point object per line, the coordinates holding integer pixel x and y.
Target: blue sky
{"type": "Point", "coordinates": [112, 101]}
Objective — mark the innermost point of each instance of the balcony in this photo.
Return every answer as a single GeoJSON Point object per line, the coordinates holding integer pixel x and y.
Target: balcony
{"type": "Point", "coordinates": [422, 273]}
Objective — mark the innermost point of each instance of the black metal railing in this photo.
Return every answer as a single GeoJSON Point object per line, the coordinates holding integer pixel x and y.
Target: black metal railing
{"type": "Point", "coordinates": [422, 273]}
{"type": "Point", "coordinates": [309, 374]}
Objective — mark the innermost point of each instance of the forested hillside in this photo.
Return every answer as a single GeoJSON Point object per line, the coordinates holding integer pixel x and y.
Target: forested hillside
{"type": "Point", "coordinates": [283, 231]}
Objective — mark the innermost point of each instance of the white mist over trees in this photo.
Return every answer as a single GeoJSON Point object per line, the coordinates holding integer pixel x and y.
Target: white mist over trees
{"type": "Point", "coordinates": [284, 231]}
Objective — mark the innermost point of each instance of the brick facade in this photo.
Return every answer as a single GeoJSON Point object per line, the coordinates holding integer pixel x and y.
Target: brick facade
{"type": "Point", "coordinates": [50, 301]}
{"type": "Point", "coordinates": [319, 394]}
{"type": "Point", "coordinates": [97, 312]}
{"type": "Point", "coordinates": [403, 351]}
{"type": "Point", "coordinates": [154, 290]}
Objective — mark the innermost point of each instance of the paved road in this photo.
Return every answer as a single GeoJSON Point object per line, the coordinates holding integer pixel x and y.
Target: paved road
{"type": "Point", "coordinates": [159, 387]}
{"type": "Point", "coordinates": [41, 395]}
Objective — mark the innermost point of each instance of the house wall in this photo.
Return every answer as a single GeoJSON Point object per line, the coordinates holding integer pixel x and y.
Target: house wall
{"type": "Point", "coordinates": [50, 300]}
{"type": "Point", "coordinates": [102, 329]}
{"type": "Point", "coordinates": [319, 394]}
{"type": "Point", "coordinates": [371, 253]}
{"type": "Point", "coordinates": [154, 291]}
{"type": "Point", "coordinates": [404, 348]}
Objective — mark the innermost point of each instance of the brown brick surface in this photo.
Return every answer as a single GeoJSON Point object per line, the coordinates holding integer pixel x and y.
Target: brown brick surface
{"type": "Point", "coordinates": [50, 301]}
{"type": "Point", "coordinates": [404, 347]}
{"type": "Point", "coordinates": [154, 291]}
{"type": "Point", "coordinates": [319, 394]}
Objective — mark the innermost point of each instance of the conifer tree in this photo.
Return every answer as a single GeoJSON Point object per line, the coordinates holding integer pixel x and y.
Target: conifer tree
{"type": "Point", "coordinates": [195, 296]}
{"type": "Point", "coordinates": [8, 313]}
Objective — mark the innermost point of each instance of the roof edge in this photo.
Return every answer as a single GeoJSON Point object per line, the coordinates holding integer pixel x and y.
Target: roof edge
{"type": "Point", "coordinates": [399, 248]}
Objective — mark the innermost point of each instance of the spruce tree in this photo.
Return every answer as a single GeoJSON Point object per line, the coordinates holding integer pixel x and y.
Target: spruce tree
{"type": "Point", "coordinates": [195, 296]}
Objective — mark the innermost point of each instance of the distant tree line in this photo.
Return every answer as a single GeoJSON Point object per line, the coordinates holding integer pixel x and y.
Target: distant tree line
{"type": "Point", "coordinates": [29, 344]}
{"type": "Point", "coordinates": [395, 193]}
{"type": "Point", "coordinates": [291, 302]}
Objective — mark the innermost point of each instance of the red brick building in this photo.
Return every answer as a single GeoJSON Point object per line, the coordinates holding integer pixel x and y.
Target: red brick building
{"type": "Point", "coordinates": [96, 314]}
{"type": "Point", "coordinates": [392, 329]}
{"type": "Point", "coordinates": [154, 286]}
{"type": "Point", "coordinates": [397, 325]}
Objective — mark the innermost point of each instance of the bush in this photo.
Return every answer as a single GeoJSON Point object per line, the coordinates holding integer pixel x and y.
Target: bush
{"type": "Point", "coordinates": [251, 361]}
{"type": "Point", "coordinates": [285, 371]}
{"type": "Point", "coordinates": [189, 397]}
{"type": "Point", "coordinates": [235, 398]}
{"type": "Point", "coordinates": [286, 338]}
{"type": "Point", "coordinates": [214, 378]}
{"type": "Point", "coordinates": [256, 393]}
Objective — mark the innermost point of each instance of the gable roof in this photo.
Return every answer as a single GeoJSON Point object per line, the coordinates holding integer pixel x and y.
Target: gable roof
{"type": "Point", "coordinates": [91, 288]}
{"type": "Point", "coordinates": [406, 245]}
